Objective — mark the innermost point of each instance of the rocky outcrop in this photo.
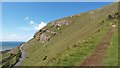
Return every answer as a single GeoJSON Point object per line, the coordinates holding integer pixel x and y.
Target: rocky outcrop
{"type": "Point", "coordinates": [37, 35]}
{"type": "Point", "coordinates": [44, 38]}
{"type": "Point", "coordinates": [60, 23]}
{"type": "Point", "coordinates": [42, 35]}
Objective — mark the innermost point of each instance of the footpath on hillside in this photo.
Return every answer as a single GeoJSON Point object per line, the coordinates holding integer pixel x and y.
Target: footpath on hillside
{"type": "Point", "coordinates": [96, 58]}
{"type": "Point", "coordinates": [22, 56]}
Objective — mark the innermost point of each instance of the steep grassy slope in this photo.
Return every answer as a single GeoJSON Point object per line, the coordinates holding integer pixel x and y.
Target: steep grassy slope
{"type": "Point", "coordinates": [69, 40]}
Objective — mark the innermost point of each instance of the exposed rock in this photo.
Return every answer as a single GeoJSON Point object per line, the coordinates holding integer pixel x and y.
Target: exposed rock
{"type": "Point", "coordinates": [114, 26]}
{"type": "Point", "coordinates": [41, 34]}
{"type": "Point", "coordinates": [91, 12]}
{"type": "Point", "coordinates": [37, 35]}
{"type": "Point", "coordinates": [60, 23]}
{"type": "Point", "coordinates": [78, 14]}
{"type": "Point", "coordinates": [43, 37]}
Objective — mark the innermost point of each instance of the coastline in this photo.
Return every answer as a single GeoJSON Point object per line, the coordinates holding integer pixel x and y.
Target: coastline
{"type": "Point", "coordinates": [17, 54]}
{"type": "Point", "coordinates": [7, 47]}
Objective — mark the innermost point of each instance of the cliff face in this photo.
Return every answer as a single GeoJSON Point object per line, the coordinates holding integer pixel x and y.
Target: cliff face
{"type": "Point", "coordinates": [66, 41]}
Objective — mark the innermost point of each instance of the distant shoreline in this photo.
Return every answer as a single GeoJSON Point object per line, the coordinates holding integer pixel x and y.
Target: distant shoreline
{"type": "Point", "coordinates": [8, 45]}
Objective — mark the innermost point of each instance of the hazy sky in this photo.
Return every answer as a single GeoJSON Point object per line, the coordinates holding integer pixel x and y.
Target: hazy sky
{"type": "Point", "coordinates": [20, 20]}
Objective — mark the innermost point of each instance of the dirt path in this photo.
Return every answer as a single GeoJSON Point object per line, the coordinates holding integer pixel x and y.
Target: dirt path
{"type": "Point", "coordinates": [22, 56]}
{"type": "Point", "coordinates": [96, 58]}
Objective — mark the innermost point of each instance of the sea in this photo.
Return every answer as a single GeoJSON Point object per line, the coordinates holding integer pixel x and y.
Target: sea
{"type": "Point", "coordinates": [9, 45]}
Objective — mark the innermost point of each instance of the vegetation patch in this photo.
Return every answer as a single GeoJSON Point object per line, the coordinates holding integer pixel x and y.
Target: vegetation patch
{"type": "Point", "coordinates": [111, 57]}
{"type": "Point", "coordinates": [9, 58]}
{"type": "Point", "coordinates": [79, 51]}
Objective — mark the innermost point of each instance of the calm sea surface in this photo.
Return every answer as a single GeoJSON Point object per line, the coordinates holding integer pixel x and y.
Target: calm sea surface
{"type": "Point", "coordinates": [9, 45]}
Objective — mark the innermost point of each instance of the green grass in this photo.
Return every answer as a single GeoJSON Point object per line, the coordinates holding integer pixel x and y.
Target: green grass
{"type": "Point", "coordinates": [0, 59]}
{"type": "Point", "coordinates": [9, 59]}
{"type": "Point", "coordinates": [111, 57]}
{"type": "Point", "coordinates": [82, 28]}
{"type": "Point", "coordinates": [80, 50]}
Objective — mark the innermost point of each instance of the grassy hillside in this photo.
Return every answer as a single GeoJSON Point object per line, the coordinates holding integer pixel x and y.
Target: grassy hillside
{"type": "Point", "coordinates": [68, 41]}
{"type": "Point", "coordinates": [9, 57]}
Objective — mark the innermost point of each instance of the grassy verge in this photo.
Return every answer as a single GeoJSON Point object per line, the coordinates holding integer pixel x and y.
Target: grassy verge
{"type": "Point", "coordinates": [111, 57]}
